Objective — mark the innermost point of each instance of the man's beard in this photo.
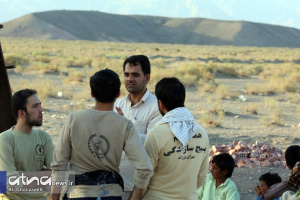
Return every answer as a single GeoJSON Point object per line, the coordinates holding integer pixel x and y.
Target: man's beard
{"type": "Point", "coordinates": [33, 122]}
{"type": "Point", "coordinates": [160, 110]}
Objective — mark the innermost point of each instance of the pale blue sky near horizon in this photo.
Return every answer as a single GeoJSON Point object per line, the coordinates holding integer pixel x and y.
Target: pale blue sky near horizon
{"type": "Point", "coordinates": [276, 12]}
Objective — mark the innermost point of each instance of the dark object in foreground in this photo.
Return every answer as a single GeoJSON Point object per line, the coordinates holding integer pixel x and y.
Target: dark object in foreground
{"type": "Point", "coordinates": [7, 118]}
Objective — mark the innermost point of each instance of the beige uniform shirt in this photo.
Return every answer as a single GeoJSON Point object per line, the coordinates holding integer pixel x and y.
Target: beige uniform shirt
{"type": "Point", "coordinates": [93, 140]}
{"type": "Point", "coordinates": [25, 152]}
{"type": "Point", "coordinates": [144, 115]}
{"type": "Point", "coordinates": [177, 173]}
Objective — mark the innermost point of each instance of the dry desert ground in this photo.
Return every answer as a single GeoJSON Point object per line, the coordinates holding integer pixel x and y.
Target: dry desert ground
{"type": "Point", "coordinates": [235, 124]}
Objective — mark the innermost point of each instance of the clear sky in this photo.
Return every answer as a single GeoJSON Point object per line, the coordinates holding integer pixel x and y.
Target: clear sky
{"type": "Point", "coordinates": [278, 12]}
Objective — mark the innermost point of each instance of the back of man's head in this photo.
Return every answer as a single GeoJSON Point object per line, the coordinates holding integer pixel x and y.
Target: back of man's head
{"type": "Point", "coordinates": [139, 59]}
{"type": "Point", "coordinates": [292, 155]}
{"type": "Point", "coordinates": [19, 100]}
{"type": "Point", "coordinates": [105, 85]}
{"type": "Point", "coordinates": [171, 92]}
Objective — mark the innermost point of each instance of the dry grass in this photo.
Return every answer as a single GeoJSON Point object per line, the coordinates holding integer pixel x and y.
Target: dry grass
{"type": "Point", "coordinates": [274, 118]}
{"type": "Point", "coordinates": [193, 65]}
{"type": "Point", "coordinates": [44, 87]}
{"type": "Point", "coordinates": [271, 103]}
{"type": "Point", "coordinates": [251, 109]}
{"type": "Point", "coordinates": [211, 120]}
{"type": "Point", "coordinates": [75, 76]}
{"type": "Point", "coordinates": [223, 92]}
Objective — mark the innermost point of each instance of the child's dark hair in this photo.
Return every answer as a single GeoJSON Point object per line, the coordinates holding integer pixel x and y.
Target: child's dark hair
{"type": "Point", "coordinates": [292, 155]}
{"type": "Point", "coordinates": [270, 179]}
{"type": "Point", "coordinates": [225, 162]}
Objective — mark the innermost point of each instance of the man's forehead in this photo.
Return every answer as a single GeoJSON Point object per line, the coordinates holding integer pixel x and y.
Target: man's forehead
{"type": "Point", "coordinates": [133, 67]}
{"type": "Point", "coordinates": [33, 99]}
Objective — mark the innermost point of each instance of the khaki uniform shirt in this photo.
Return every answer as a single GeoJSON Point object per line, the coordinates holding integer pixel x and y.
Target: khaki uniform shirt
{"type": "Point", "coordinates": [93, 140]}
{"type": "Point", "coordinates": [25, 152]}
{"type": "Point", "coordinates": [177, 173]}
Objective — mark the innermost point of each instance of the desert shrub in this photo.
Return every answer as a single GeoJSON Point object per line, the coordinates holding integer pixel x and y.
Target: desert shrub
{"type": "Point", "coordinates": [75, 76]}
{"type": "Point", "coordinates": [294, 77]}
{"type": "Point", "coordinates": [222, 91]}
{"type": "Point", "coordinates": [43, 67]}
{"type": "Point", "coordinates": [251, 109]}
{"type": "Point", "coordinates": [13, 59]}
{"type": "Point", "coordinates": [274, 118]}
{"type": "Point", "coordinates": [267, 89]}
{"type": "Point", "coordinates": [271, 103]}
{"type": "Point", "coordinates": [83, 95]}
{"type": "Point", "coordinates": [159, 63]}
{"type": "Point", "coordinates": [42, 59]}
{"type": "Point", "coordinates": [207, 86]}
{"type": "Point", "coordinates": [231, 71]}
{"type": "Point", "coordinates": [293, 97]}
{"type": "Point", "coordinates": [210, 120]}
{"type": "Point", "coordinates": [19, 69]}
{"type": "Point", "coordinates": [40, 53]}
{"type": "Point", "coordinates": [44, 87]}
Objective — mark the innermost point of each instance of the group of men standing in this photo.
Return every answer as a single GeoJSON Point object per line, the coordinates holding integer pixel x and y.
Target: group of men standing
{"type": "Point", "coordinates": [141, 146]}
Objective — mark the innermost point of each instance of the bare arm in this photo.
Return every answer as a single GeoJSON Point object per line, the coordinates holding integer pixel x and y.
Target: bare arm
{"type": "Point", "coordinates": [136, 193]}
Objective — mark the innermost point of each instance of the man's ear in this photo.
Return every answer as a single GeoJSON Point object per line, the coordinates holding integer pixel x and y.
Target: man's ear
{"type": "Point", "coordinates": [118, 95]}
{"type": "Point", "coordinates": [161, 105]}
{"type": "Point", "coordinates": [225, 172]}
{"type": "Point", "coordinates": [92, 94]}
{"type": "Point", "coordinates": [21, 114]}
{"type": "Point", "coordinates": [147, 76]}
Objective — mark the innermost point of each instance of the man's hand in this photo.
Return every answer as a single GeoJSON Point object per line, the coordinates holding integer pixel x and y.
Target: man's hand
{"type": "Point", "coordinates": [257, 190]}
{"type": "Point", "coordinates": [54, 196]}
{"type": "Point", "coordinates": [55, 192]}
{"type": "Point", "coordinates": [136, 193]}
{"type": "Point", "coordinates": [119, 110]}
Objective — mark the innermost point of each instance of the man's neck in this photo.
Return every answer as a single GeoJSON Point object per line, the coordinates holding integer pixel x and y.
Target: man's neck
{"type": "Point", "coordinates": [22, 127]}
{"type": "Point", "coordinates": [104, 106]}
{"type": "Point", "coordinates": [220, 181]}
{"type": "Point", "coordinates": [135, 98]}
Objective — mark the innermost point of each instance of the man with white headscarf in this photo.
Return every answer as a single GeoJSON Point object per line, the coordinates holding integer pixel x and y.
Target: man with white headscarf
{"type": "Point", "coordinates": [177, 146]}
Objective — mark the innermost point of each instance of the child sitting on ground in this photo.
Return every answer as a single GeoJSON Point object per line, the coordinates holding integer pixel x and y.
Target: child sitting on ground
{"type": "Point", "coordinates": [266, 181]}
{"type": "Point", "coordinates": [218, 184]}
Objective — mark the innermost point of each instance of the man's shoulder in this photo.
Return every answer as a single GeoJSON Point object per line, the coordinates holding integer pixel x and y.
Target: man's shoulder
{"type": "Point", "coordinates": [8, 134]}
{"type": "Point", "coordinates": [120, 100]}
{"type": "Point", "coordinates": [202, 131]}
{"type": "Point", "coordinates": [160, 128]}
{"type": "Point", "coordinates": [230, 183]}
{"type": "Point", "coordinates": [152, 98]}
{"type": "Point", "coordinates": [41, 133]}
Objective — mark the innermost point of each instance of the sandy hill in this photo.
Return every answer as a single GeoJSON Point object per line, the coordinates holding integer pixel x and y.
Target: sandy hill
{"type": "Point", "coordinates": [98, 26]}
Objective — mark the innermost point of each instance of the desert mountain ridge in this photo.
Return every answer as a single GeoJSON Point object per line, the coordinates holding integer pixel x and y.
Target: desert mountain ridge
{"type": "Point", "coordinates": [99, 26]}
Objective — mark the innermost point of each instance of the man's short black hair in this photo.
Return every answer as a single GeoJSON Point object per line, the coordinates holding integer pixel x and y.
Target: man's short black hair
{"type": "Point", "coordinates": [139, 59]}
{"type": "Point", "coordinates": [105, 85]}
{"type": "Point", "coordinates": [19, 100]}
{"type": "Point", "coordinates": [171, 92]}
{"type": "Point", "coordinates": [270, 179]}
{"type": "Point", "coordinates": [225, 162]}
{"type": "Point", "coordinates": [292, 155]}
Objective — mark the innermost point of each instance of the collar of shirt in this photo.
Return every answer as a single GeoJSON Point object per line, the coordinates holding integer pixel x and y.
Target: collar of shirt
{"type": "Point", "coordinates": [214, 181]}
{"type": "Point", "coordinates": [143, 100]}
